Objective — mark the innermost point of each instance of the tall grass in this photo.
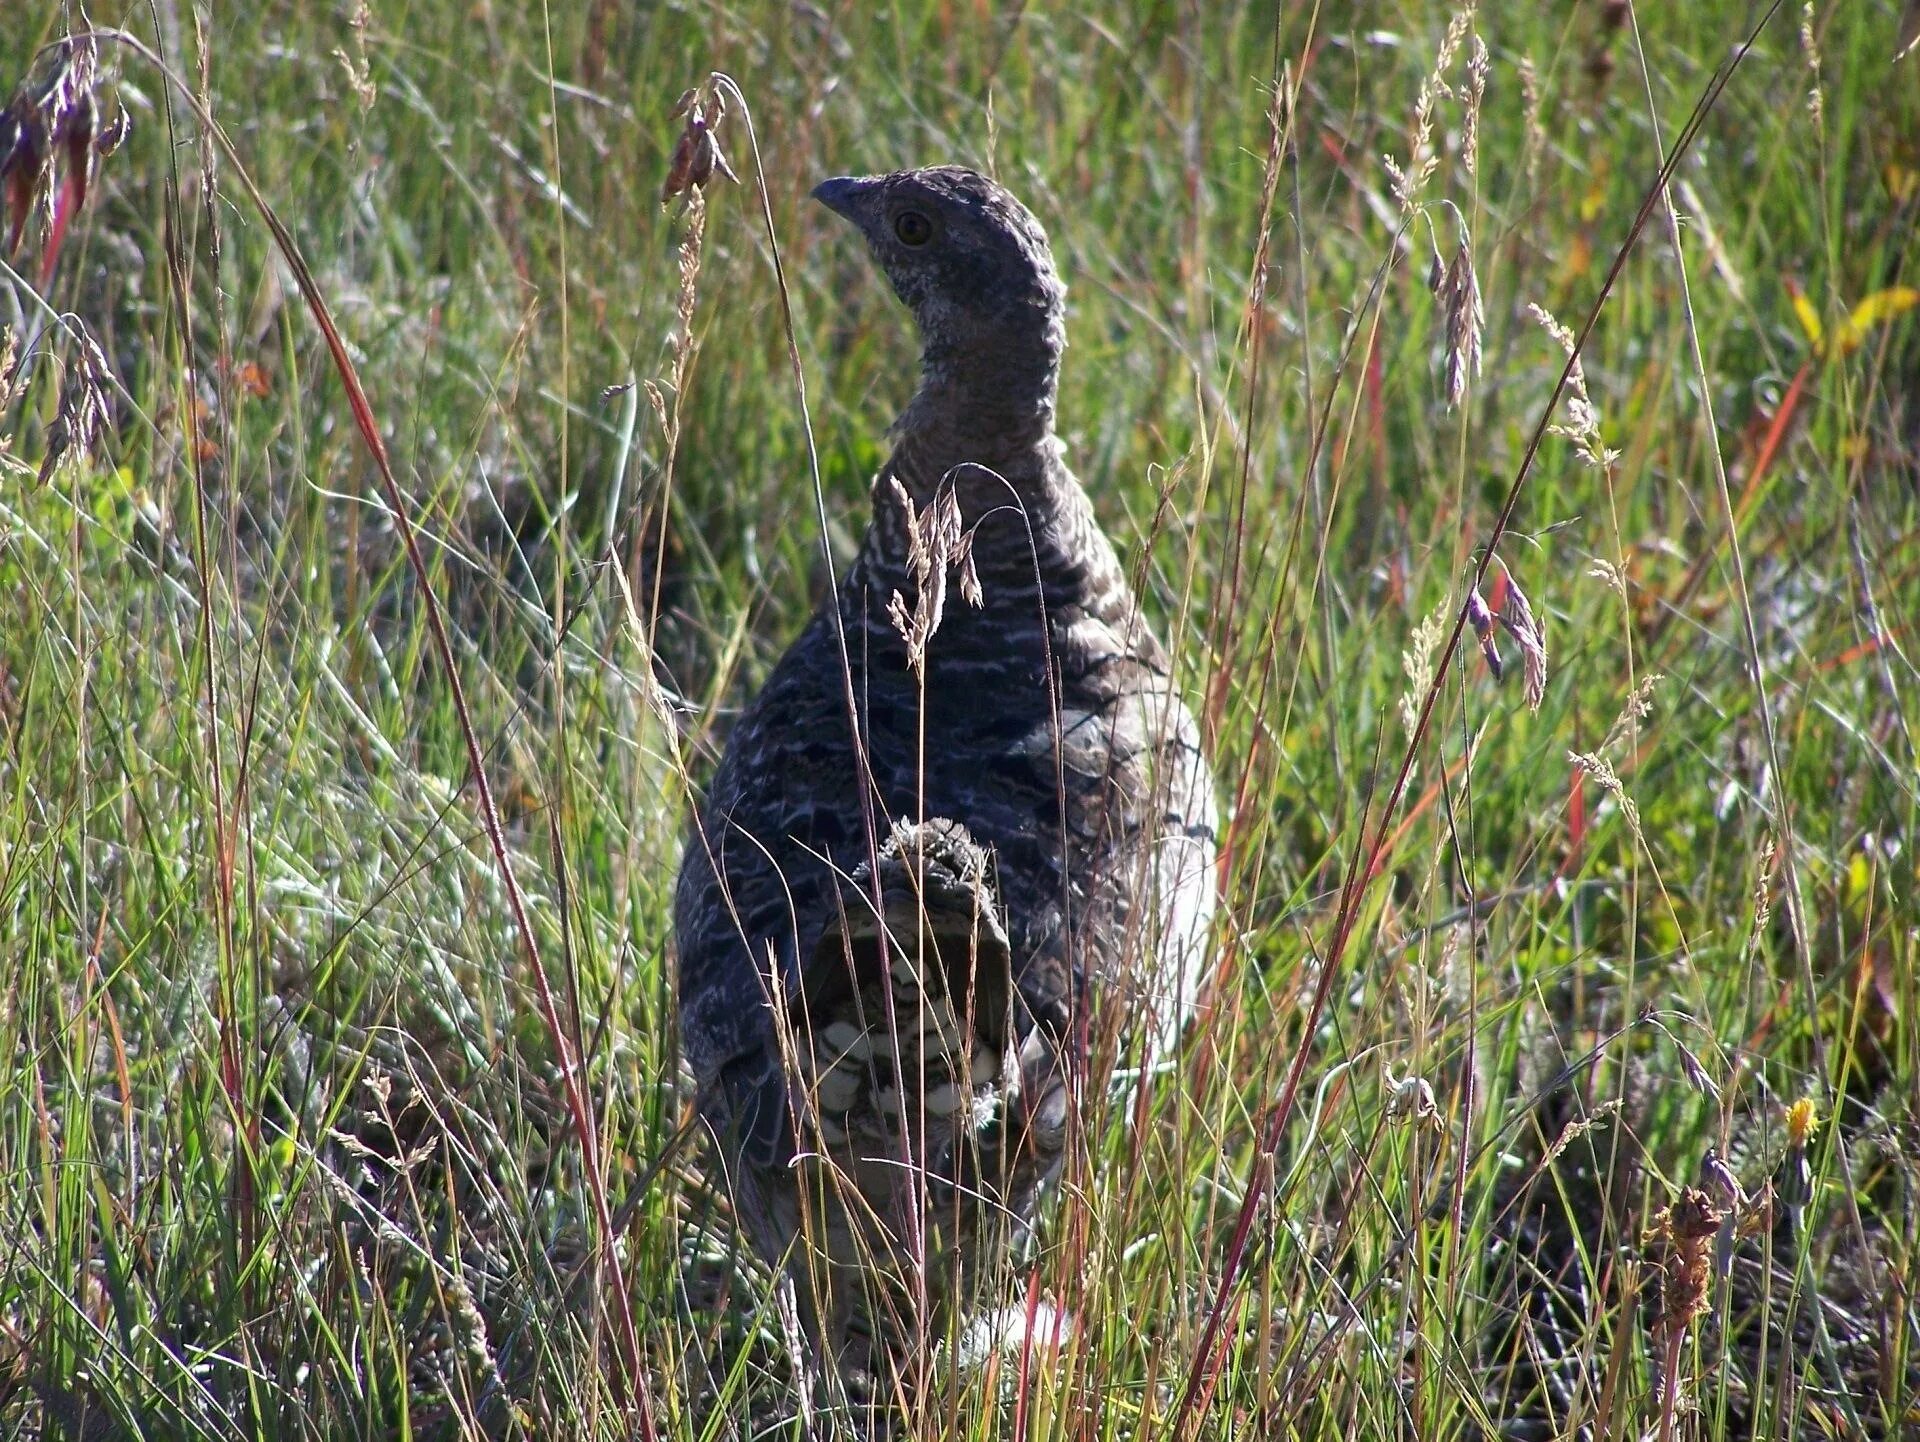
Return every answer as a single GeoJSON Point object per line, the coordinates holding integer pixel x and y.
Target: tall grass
{"type": "Point", "coordinates": [285, 1131]}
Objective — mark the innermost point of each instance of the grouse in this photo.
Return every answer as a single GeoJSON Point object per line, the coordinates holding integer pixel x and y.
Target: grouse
{"type": "Point", "coordinates": [950, 830]}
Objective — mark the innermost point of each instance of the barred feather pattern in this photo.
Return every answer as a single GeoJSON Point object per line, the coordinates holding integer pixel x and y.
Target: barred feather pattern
{"type": "Point", "coordinates": [894, 920]}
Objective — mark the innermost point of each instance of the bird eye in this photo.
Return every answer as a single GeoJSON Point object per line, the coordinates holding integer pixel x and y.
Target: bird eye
{"type": "Point", "coordinates": [912, 228]}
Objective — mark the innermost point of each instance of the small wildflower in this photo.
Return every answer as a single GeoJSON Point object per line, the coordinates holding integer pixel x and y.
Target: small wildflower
{"type": "Point", "coordinates": [1810, 46]}
{"type": "Point", "coordinates": [1794, 1179]}
{"type": "Point", "coordinates": [1802, 1117]}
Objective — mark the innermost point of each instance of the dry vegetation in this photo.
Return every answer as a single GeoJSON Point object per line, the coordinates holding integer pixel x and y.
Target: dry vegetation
{"type": "Point", "coordinates": [1542, 546]}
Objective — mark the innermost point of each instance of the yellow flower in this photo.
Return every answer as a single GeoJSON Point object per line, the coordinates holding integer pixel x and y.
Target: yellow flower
{"type": "Point", "coordinates": [1801, 1120]}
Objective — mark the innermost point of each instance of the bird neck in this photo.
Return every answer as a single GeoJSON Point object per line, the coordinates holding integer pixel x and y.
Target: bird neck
{"type": "Point", "coordinates": [984, 401]}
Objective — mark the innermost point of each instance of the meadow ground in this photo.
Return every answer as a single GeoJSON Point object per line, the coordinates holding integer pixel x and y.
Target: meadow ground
{"type": "Point", "coordinates": [313, 1124]}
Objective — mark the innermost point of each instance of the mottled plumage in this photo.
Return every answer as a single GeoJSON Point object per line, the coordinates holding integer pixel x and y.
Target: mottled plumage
{"type": "Point", "coordinates": [1030, 817]}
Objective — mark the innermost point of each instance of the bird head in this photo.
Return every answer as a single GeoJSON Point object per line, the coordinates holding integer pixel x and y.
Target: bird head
{"type": "Point", "coordinates": [969, 260]}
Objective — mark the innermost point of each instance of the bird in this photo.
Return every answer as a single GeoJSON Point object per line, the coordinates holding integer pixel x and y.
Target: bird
{"type": "Point", "coordinates": [967, 813]}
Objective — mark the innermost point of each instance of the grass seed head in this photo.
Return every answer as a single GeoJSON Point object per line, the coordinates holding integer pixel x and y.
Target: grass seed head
{"type": "Point", "coordinates": [1417, 662]}
{"type": "Point", "coordinates": [937, 544]}
{"type": "Point", "coordinates": [1582, 425]}
{"type": "Point", "coordinates": [51, 131]}
{"type": "Point", "coordinates": [1534, 142]}
{"type": "Point", "coordinates": [81, 419]}
{"type": "Point", "coordinates": [697, 154]}
{"type": "Point", "coordinates": [1424, 158]}
{"type": "Point", "coordinates": [1592, 763]}
{"type": "Point", "coordinates": [1466, 321]}
{"type": "Point", "coordinates": [1480, 617]}
{"type": "Point", "coordinates": [1680, 1247]}
{"type": "Point", "coordinates": [1479, 63]}
{"type": "Point", "coordinates": [1517, 616]}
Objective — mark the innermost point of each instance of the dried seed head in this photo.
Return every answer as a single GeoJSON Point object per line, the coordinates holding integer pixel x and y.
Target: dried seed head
{"type": "Point", "coordinates": [1517, 616]}
{"type": "Point", "coordinates": [9, 367]}
{"type": "Point", "coordinates": [1694, 1071]}
{"type": "Point", "coordinates": [54, 117]}
{"type": "Point", "coordinates": [697, 154]}
{"type": "Point", "coordinates": [1717, 1178]}
{"type": "Point", "coordinates": [969, 577]}
{"type": "Point", "coordinates": [1535, 143]}
{"type": "Point", "coordinates": [1615, 579]}
{"type": "Point", "coordinates": [1763, 901]}
{"type": "Point", "coordinates": [1582, 425]}
{"type": "Point", "coordinates": [937, 544]}
{"type": "Point", "coordinates": [1638, 706]}
{"type": "Point", "coordinates": [1410, 1100]}
{"type": "Point", "coordinates": [1424, 158]}
{"type": "Point", "coordinates": [1480, 617]}
{"type": "Point", "coordinates": [1679, 1245]}
{"type": "Point", "coordinates": [1466, 321]}
{"type": "Point", "coordinates": [1600, 1116]}
{"type": "Point", "coordinates": [1479, 63]}
{"type": "Point", "coordinates": [80, 421]}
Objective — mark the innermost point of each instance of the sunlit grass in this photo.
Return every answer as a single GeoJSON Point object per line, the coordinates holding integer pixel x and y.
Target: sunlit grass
{"type": "Point", "coordinates": [285, 1143]}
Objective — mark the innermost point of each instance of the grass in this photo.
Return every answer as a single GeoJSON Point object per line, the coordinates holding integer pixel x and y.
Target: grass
{"type": "Point", "coordinates": [284, 1131]}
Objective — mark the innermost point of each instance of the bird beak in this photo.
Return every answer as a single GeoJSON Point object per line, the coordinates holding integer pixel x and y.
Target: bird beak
{"type": "Point", "coordinates": [840, 193]}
